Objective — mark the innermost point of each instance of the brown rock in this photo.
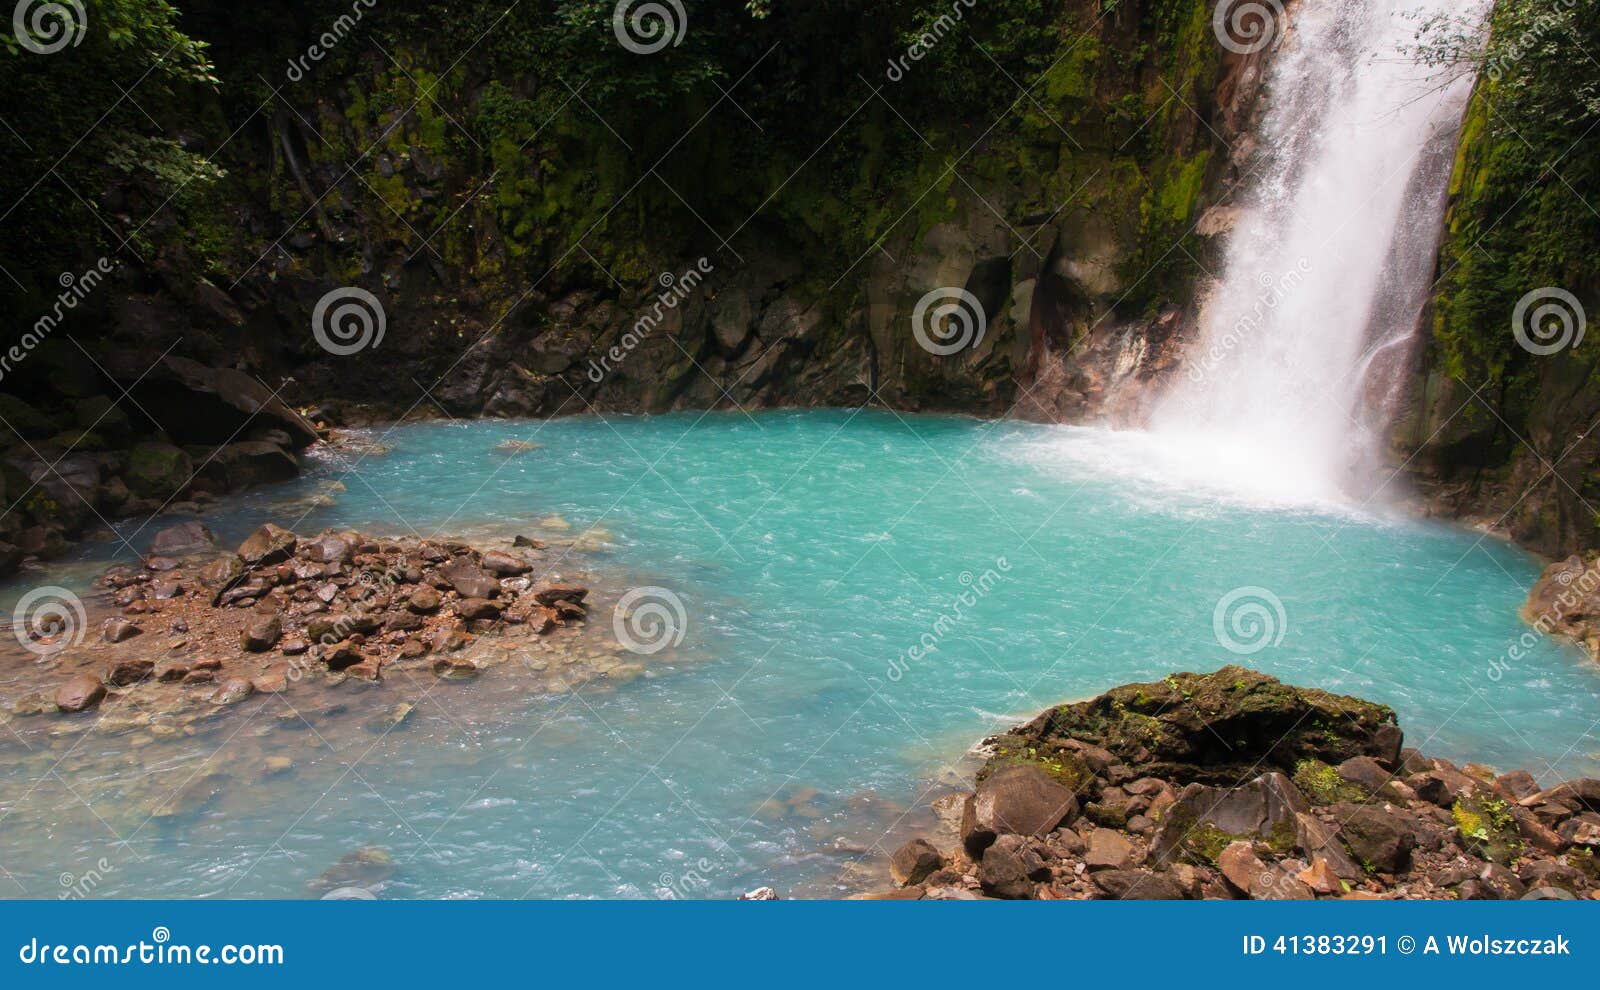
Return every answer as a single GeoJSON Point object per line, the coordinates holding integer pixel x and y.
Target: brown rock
{"type": "Point", "coordinates": [116, 630]}
{"type": "Point", "coordinates": [1021, 800]}
{"type": "Point", "coordinates": [470, 580]}
{"type": "Point", "coordinates": [268, 545]}
{"type": "Point", "coordinates": [477, 608]}
{"type": "Point", "coordinates": [504, 564]}
{"type": "Point", "coordinates": [1137, 885]}
{"type": "Point", "coordinates": [1276, 884]}
{"type": "Point", "coordinates": [272, 682]}
{"type": "Point", "coordinates": [1108, 850]}
{"type": "Point", "coordinates": [232, 691]}
{"type": "Point", "coordinates": [261, 634]}
{"type": "Point", "coordinates": [1240, 865]}
{"type": "Point", "coordinates": [424, 601]}
{"type": "Point", "coordinates": [1010, 868]}
{"type": "Point", "coordinates": [168, 673]}
{"type": "Point", "coordinates": [913, 862]}
{"type": "Point", "coordinates": [1380, 840]}
{"type": "Point", "coordinates": [184, 538]}
{"type": "Point", "coordinates": [200, 677]}
{"type": "Point", "coordinates": [552, 594]}
{"type": "Point", "coordinates": [80, 693]}
{"type": "Point", "coordinates": [1321, 878]}
{"type": "Point", "coordinates": [342, 655]}
{"type": "Point", "coordinates": [126, 672]}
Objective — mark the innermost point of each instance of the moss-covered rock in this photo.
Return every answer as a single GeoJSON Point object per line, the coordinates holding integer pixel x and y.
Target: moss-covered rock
{"type": "Point", "coordinates": [1215, 728]}
{"type": "Point", "coordinates": [158, 470]}
{"type": "Point", "coordinates": [1487, 827]}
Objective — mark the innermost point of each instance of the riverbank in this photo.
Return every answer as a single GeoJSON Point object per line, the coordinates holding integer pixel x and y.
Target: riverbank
{"type": "Point", "coordinates": [1234, 785]}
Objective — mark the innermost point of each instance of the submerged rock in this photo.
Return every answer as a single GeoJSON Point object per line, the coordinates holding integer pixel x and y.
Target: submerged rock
{"type": "Point", "coordinates": [80, 693]}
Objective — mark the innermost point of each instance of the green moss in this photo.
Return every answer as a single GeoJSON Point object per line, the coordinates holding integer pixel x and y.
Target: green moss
{"type": "Point", "coordinates": [1323, 785]}
{"type": "Point", "coordinates": [1487, 827]}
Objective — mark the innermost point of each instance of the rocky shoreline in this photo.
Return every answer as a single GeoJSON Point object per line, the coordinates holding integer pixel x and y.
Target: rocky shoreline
{"type": "Point", "coordinates": [1232, 785]}
{"type": "Point", "coordinates": [195, 619]}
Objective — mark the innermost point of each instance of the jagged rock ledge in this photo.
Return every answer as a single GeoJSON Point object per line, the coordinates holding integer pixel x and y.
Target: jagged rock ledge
{"type": "Point", "coordinates": [282, 608]}
{"type": "Point", "coordinates": [1233, 785]}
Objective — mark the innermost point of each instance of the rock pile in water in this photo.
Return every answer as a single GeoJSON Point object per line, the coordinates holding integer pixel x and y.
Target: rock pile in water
{"type": "Point", "coordinates": [282, 605]}
{"type": "Point", "coordinates": [1234, 785]}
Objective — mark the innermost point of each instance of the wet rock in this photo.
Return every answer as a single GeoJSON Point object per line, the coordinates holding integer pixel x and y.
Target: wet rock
{"type": "Point", "coordinates": [126, 672]}
{"type": "Point", "coordinates": [342, 655]}
{"type": "Point", "coordinates": [232, 691]}
{"type": "Point", "coordinates": [192, 798]}
{"type": "Point", "coordinates": [221, 575]}
{"type": "Point", "coordinates": [183, 539]}
{"type": "Point", "coordinates": [1020, 800]}
{"type": "Point", "coordinates": [157, 470]}
{"type": "Point", "coordinates": [80, 693]}
{"type": "Point", "coordinates": [276, 765]}
{"type": "Point", "coordinates": [117, 630]}
{"type": "Point", "coordinates": [550, 596]}
{"type": "Point", "coordinates": [369, 669]}
{"type": "Point", "coordinates": [170, 672]}
{"type": "Point", "coordinates": [470, 580]}
{"type": "Point", "coordinates": [199, 676]}
{"type": "Point", "coordinates": [366, 867]}
{"type": "Point", "coordinates": [262, 633]}
{"type": "Point", "coordinates": [268, 545]}
{"type": "Point", "coordinates": [914, 861]}
{"type": "Point", "coordinates": [504, 564]}
{"type": "Point", "coordinates": [293, 646]}
{"type": "Point", "coordinates": [759, 894]}
{"type": "Point", "coordinates": [272, 682]}
{"type": "Point", "coordinates": [477, 608]}
{"type": "Point", "coordinates": [455, 668]}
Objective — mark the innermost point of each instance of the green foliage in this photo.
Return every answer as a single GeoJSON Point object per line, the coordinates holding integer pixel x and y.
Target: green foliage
{"type": "Point", "coordinates": [1526, 185]}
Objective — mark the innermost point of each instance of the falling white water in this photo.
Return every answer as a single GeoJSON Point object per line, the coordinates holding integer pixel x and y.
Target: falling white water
{"type": "Point", "coordinates": [1328, 264]}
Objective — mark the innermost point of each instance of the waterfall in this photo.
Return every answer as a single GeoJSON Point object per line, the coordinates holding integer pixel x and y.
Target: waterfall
{"type": "Point", "coordinates": [1305, 335]}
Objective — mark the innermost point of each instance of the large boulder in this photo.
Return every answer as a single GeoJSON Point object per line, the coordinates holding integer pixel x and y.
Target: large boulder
{"type": "Point", "coordinates": [470, 580]}
{"type": "Point", "coordinates": [914, 861]}
{"type": "Point", "coordinates": [1215, 728]}
{"type": "Point", "coordinates": [1021, 799]}
{"type": "Point", "coordinates": [214, 405]}
{"type": "Point", "coordinates": [247, 463]}
{"type": "Point", "coordinates": [1379, 840]}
